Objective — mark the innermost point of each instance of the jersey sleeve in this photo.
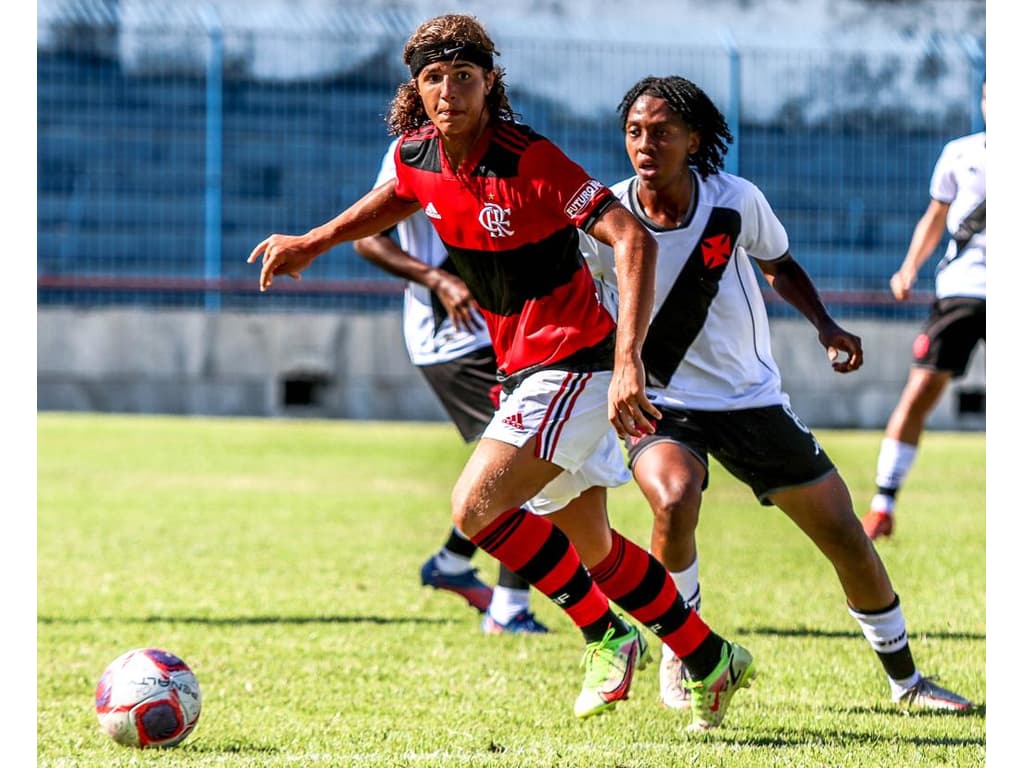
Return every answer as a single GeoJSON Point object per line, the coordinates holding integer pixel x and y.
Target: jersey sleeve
{"type": "Point", "coordinates": [600, 259]}
{"type": "Point", "coordinates": [766, 238]}
{"type": "Point", "coordinates": [564, 186]}
{"type": "Point", "coordinates": [387, 165]}
{"type": "Point", "coordinates": [943, 184]}
{"type": "Point", "coordinates": [403, 189]}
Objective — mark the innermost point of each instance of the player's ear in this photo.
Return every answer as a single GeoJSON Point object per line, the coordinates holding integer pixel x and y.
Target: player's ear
{"type": "Point", "coordinates": [489, 79]}
{"type": "Point", "coordinates": [694, 145]}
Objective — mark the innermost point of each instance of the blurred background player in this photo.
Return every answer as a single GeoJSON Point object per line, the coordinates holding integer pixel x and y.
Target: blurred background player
{"type": "Point", "coordinates": [943, 349]}
{"type": "Point", "coordinates": [448, 342]}
{"type": "Point", "coordinates": [711, 372]}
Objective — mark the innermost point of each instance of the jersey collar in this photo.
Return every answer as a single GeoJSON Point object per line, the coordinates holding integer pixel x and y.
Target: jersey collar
{"type": "Point", "coordinates": [638, 209]}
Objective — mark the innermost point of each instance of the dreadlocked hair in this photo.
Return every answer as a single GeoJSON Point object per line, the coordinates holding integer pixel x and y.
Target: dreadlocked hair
{"type": "Point", "coordinates": [694, 108]}
{"type": "Point", "coordinates": [407, 112]}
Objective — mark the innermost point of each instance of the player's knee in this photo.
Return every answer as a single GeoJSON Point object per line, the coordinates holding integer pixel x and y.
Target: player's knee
{"type": "Point", "coordinates": [462, 517]}
{"type": "Point", "coordinates": [469, 512]}
{"type": "Point", "coordinates": [676, 510]}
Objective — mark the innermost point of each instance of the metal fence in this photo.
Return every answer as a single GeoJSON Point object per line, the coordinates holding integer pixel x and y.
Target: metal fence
{"type": "Point", "coordinates": [170, 145]}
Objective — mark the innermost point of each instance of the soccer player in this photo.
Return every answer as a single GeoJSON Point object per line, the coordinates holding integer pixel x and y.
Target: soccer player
{"type": "Point", "coordinates": [447, 341]}
{"type": "Point", "coordinates": [943, 349]}
{"type": "Point", "coordinates": [508, 204]}
{"type": "Point", "coordinates": [708, 360]}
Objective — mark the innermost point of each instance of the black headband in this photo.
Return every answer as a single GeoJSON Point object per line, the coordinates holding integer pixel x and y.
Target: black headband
{"type": "Point", "coordinates": [451, 51]}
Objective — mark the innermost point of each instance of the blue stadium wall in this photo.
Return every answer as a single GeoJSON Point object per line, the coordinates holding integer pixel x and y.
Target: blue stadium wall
{"type": "Point", "coordinates": [124, 211]}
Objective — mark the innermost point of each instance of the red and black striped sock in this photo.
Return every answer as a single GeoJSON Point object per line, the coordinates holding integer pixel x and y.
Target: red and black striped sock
{"type": "Point", "coordinates": [640, 585]}
{"type": "Point", "coordinates": [539, 552]}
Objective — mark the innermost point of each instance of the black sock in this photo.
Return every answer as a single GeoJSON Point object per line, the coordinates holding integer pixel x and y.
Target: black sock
{"type": "Point", "coordinates": [594, 633]}
{"type": "Point", "coordinates": [457, 545]}
{"type": "Point", "coordinates": [705, 657]}
{"type": "Point", "coordinates": [898, 665]}
{"type": "Point", "coordinates": [510, 579]}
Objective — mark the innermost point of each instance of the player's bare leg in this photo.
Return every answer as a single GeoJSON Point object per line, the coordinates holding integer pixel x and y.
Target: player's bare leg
{"type": "Point", "coordinates": [903, 432]}
{"type": "Point", "coordinates": [825, 513]}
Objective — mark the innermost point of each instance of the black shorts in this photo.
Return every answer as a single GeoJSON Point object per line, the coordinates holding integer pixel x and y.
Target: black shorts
{"type": "Point", "coordinates": [768, 448]}
{"type": "Point", "coordinates": [950, 334]}
{"type": "Point", "coordinates": [468, 389]}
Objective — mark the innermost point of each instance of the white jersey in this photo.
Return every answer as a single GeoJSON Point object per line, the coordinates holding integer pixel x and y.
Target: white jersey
{"type": "Point", "coordinates": [959, 179]}
{"type": "Point", "coordinates": [729, 363]}
{"type": "Point", "coordinates": [430, 336]}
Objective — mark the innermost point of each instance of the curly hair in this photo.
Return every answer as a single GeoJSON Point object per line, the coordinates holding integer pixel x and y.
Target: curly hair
{"type": "Point", "coordinates": [694, 108]}
{"type": "Point", "coordinates": [407, 112]}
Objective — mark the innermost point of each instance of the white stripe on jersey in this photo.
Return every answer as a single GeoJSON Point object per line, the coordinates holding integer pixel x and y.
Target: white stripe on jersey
{"type": "Point", "coordinates": [730, 363]}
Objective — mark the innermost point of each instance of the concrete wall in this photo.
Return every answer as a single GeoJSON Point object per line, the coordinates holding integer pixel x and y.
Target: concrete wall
{"type": "Point", "coordinates": [355, 366]}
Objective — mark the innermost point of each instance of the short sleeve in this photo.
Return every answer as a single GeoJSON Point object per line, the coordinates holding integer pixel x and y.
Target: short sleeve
{"type": "Point", "coordinates": [387, 165]}
{"type": "Point", "coordinates": [943, 184]}
{"type": "Point", "coordinates": [565, 186]}
{"type": "Point", "coordinates": [402, 189]}
{"type": "Point", "coordinates": [600, 258]}
{"type": "Point", "coordinates": [766, 238]}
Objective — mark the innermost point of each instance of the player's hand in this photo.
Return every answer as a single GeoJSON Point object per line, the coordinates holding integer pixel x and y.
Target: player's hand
{"type": "Point", "coordinates": [283, 255]}
{"type": "Point", "coordinates": [901, 285]}
{"type": "Point", "coordinates": [458, 303]}
{"type": "Point", "coordinates": [629, 410]}
{"type": "Point", "coordinates": [838, 341]}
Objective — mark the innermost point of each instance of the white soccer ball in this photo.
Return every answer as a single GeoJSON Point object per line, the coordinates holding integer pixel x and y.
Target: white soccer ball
{"type": "Point", "coordinates": [148, 698]}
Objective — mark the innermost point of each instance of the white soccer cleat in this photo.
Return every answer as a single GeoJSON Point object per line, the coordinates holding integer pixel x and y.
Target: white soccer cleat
{"type": "Point", "coordinates": [671, 674]}
{"type": "Point", "coordinates": [927, 694]}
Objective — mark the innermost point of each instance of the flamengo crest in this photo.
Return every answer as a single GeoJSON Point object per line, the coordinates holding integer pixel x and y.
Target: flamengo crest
{"type": "Point", "coordinates": [494, 219]}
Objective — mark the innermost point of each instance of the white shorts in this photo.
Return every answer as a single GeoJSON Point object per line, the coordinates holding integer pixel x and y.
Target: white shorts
{"type": "Point", "coordinates": [568, 412]}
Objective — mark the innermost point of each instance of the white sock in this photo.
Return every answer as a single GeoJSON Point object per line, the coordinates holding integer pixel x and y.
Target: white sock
{"type": "Point", "coordinates": [450, 563]}
{"type": "Point", "coordinates": [886, 633]}
{"type": "Point", "coordinates": [894, 462]}
{"type": "Point", "coordinates": [689, 587]}
{"type": "Point", "coordinates": [900, 687]}
{"type": "Point", "coordinates": [506, 603]}
{"type": "Point", "coordinates": [883, 503]}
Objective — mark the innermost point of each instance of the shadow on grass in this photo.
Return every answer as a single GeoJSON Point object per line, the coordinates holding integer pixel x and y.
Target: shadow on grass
{"type": "Point", "coordinates": [237, 620]}
{"type": "Point", "coordinates": [234, 749]}
{"type": "Point", "coordinates": [811, 632]}
{"type": "Point", "coordinates": [977, 713]}
{"type": "Point", "coordinates": [791, 737]}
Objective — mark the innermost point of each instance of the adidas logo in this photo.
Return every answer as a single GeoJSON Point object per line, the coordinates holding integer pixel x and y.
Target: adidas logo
{"type": "Point", "coordinates": [431, 211]}
{"type": "Point", "coordinates": [515, 421]}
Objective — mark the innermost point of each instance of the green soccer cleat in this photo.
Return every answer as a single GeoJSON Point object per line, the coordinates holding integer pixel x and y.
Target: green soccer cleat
{"type": "Point", "coordinates": [710, 696]}
{"type": "Point", "coordinates": [609, 666]}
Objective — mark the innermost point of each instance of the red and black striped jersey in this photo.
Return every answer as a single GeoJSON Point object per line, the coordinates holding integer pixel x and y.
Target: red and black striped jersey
{"type": "Point", "coordinates": [508, 217]}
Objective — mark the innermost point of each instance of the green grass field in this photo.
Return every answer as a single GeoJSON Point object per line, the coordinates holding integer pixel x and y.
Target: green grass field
{"type": "Point", "coordinates": [281, 558]}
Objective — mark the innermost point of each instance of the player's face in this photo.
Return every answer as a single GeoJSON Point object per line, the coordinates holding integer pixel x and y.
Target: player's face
{"type": "Point", "coordinates": [658, 142]}
{"type": "Point", "coordinates": [454, 96]}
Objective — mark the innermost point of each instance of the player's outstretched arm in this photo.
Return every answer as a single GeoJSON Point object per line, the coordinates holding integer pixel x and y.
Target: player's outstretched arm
{"type": "Point", "coordinates": [290, 254]}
